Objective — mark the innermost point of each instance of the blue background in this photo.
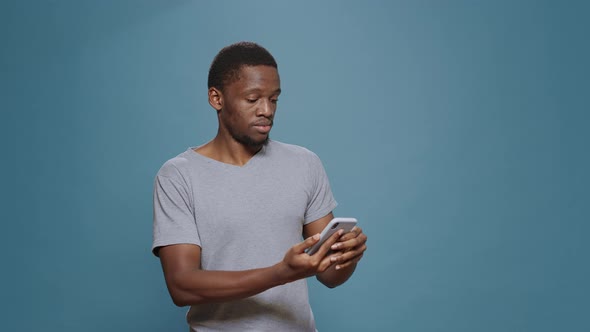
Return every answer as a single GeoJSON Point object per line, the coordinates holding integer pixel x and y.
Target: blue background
{"type": "Point", "coordinates": [455, 131]}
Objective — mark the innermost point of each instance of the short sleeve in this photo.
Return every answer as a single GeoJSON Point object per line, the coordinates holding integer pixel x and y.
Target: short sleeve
{"type": "Point", "coordinates": [174, 221]}
{"type": "Point", "coordinates": [321, 200]}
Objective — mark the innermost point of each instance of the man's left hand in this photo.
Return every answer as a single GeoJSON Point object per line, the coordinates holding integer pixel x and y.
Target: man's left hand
{"type": "Point", "coordinates": [349, 249]}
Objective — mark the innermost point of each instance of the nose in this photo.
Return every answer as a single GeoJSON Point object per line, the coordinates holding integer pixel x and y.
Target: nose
{"type": "Point", "coordinates": [266, 108]}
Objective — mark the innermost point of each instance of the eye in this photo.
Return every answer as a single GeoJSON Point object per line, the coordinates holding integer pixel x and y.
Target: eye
{"type": "Point", "coordinates": [251, 100]}
{"type": "Point", "coordinates": [274, 100]}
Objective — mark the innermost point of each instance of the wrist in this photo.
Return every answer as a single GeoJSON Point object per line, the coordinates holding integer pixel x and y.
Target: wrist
{"type": "Point", "coordinates": [281, 273]}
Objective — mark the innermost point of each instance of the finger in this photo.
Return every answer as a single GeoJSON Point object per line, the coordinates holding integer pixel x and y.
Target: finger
{"type": "Point", "coordinates": [354, 232]}
{"type": "Point", "coordinates": [349, 244]}
{"type": "Point", "coordinates": [349, 263]}
{"type": "Point", "coordinates": [307, 243]}
{"type": "Point", "coordinates": [347, 236]}
{"type": "Point", "coordinates": [326, 263]}
{"type": "Point", "coordinates": [328, 243]}
{"type": "Point", "coordinates": [349, 255]}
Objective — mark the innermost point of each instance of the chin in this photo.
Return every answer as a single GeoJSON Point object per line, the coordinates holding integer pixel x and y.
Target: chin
{"type": "Point", "coordinates": [249, 141]}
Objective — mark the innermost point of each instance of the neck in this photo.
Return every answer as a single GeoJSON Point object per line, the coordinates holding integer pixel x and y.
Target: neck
{"type": "Point", "coordinates": [228, 151]}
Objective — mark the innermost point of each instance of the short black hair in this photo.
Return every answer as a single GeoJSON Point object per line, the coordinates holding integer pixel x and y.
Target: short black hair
{"type": "Point", "coordinates": [227, 63]}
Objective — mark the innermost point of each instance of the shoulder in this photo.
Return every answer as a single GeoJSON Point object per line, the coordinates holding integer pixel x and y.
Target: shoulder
{"type": "Point", "coordinates": [293, 159]}
{"type": "Point", "coordinates": [177, 167]}
{"type": "Point", "coordinates": [291, 151]}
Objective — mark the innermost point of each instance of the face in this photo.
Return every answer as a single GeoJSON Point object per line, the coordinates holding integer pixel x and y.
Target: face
{"type": "Point", "coordinates": [246, 106]}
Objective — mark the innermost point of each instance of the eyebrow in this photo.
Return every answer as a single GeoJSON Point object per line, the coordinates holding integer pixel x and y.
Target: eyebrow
{"type": "Point", "coordinates": [277, 91]}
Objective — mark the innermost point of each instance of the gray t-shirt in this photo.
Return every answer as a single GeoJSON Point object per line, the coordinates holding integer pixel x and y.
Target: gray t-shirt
{"type": "Point", "coordinates": [244, 218]}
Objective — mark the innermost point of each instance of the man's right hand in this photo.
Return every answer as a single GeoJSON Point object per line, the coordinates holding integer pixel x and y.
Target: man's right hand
{"type": "Point", "coordinates": [189, 284]}
{"type": "Point", "coordinates": [297, 264]}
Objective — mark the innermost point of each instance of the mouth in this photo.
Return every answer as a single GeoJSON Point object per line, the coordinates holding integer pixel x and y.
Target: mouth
{"type": "Point", "coordinates": [263, 127]}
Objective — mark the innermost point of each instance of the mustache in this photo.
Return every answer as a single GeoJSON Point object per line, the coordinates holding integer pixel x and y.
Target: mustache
{"type": "Point", "coordinates": [266, 122]}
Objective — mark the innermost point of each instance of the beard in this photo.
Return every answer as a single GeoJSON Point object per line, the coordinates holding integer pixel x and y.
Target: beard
{"type": "Point", "coordinates": [249, 141]}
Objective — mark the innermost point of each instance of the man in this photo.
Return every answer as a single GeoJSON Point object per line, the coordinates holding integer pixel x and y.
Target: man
{"type": "Point", "coordinates": [230, 215]}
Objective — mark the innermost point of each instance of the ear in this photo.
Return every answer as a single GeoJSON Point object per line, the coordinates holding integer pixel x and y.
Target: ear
{"type": "Point", "coordinates": [215, 98]}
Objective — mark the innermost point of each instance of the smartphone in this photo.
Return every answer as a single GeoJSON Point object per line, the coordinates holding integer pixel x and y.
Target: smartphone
{"type": "Point", "coordinates": [332, 227]}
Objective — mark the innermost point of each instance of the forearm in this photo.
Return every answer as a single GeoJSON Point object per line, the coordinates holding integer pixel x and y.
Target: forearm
{"type": "Point", "coordinates": [332, 277]}
{"type": "Point", "coordinates": [200, 286]}
{"type": "Point", "coordinates": [188, 284]}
